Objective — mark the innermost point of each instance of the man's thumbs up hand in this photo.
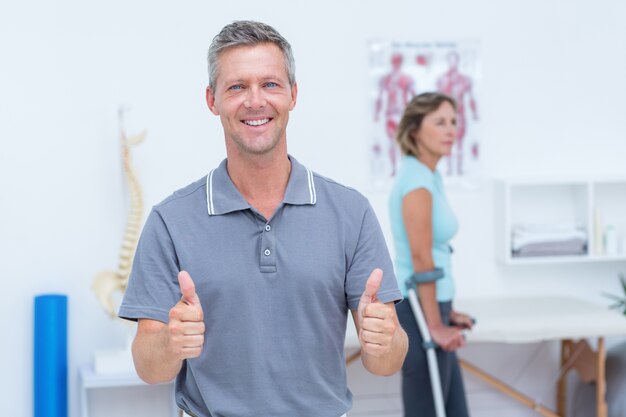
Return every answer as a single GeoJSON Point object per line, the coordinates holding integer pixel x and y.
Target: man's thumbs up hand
{"type": "Point", "coordinates": [186, 326]}
{"type": "Point", "coordinates": [371, 287]}
{"type": "Point", "coordinates": [188, 289]}
{"type": "Point", "coordinates": [377, 321]}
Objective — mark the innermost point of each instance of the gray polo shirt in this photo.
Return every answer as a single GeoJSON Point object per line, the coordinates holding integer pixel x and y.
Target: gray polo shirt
{"type": "Point", "coordinates": [275, 293]}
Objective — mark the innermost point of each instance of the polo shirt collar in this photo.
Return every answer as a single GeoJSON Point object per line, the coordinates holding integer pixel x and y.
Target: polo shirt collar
{"type": "Point", "coordinates": [223, 197]}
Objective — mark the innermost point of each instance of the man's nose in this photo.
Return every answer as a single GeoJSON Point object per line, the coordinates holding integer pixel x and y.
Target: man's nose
{"type": "Point", "coordinates": [255, 98]}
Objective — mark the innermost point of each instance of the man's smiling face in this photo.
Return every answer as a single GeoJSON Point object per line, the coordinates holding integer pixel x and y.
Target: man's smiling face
{"type": "Point", "coordinates": [253, 97]}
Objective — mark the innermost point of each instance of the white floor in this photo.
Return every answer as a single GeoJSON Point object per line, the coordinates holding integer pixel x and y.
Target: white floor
{"type": "Point", "coordinates": [524, 366]}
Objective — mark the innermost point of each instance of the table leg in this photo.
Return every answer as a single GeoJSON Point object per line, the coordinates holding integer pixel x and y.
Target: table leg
{"type": "Point", "coordinates": [602, 410]}
{"type": "Point", "coordinates": [561, 396]}
{"type": "Point", "coordinates": [353, 356]}
{"type": "Point", "coordinates": [506, 389]}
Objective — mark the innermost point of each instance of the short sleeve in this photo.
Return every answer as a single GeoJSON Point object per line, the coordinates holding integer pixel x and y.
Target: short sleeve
{"type": "Point", "coordinates": [416, 180]}
{"type": "Point", "coordinates": [153, 285]}
{"type": "Point", "coordinates": [370, 253]}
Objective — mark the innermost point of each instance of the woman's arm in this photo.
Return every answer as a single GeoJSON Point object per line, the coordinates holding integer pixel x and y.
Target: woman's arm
{"type": "Point", "coordinates": [417, 216]}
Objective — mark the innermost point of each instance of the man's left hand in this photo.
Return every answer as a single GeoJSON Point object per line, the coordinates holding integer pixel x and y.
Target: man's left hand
{"type": "Point", "coordinates": [378, 322]}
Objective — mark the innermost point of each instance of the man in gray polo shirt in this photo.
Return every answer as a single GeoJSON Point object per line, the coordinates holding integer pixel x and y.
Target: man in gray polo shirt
{"type": "Point", "coordinates": [242, 281]}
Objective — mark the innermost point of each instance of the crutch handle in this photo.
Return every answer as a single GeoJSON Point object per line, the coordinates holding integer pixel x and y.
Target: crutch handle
{"type": "Point", "coordinates": [431, 344]}
{"type": "Point", "coordinates": [424, 277]}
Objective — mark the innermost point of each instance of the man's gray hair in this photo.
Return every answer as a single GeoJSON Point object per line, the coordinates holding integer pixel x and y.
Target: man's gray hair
{"type": "Point", "coordinates": [248, 33]}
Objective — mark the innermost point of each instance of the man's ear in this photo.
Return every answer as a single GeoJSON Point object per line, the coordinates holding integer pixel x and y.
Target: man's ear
{"type": "Point", "coordinates": [294, 95]}
{"type": "Point", "coordinates": [210, 101]}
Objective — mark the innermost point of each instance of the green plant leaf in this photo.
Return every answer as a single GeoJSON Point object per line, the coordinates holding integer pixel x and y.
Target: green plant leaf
{"type": "Point", "coordinates": [620, 302]}
{"type": "Point", "coordinates": [612, 296]}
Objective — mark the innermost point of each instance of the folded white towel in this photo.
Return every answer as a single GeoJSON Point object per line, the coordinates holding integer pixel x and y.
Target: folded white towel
{"type": "Point", "coordinates": [560, 248]}
{"type": "Point", "coordinates": [535, 233]}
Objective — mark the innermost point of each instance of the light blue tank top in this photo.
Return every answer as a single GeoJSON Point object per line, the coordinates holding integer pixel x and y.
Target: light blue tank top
{"type": "Point", "coordinates": [414, 175]}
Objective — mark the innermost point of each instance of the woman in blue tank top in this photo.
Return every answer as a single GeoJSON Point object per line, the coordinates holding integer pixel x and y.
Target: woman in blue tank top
{"type": "Point", "coordinates": [423, 224]}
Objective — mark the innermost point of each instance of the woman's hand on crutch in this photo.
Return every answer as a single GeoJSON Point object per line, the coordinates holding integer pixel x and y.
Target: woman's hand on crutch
{"type": "Point", "coordinates": [461, 320]}
{"type": "Point", "coordinates": [449, 338]}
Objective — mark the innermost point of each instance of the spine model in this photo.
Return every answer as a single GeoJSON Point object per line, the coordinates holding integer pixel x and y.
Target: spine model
{"type": "Point", "coordinates": [107, 283]}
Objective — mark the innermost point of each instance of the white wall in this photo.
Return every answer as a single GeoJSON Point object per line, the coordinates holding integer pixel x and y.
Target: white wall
{"type": "Point", "coordinates": [551, 103]}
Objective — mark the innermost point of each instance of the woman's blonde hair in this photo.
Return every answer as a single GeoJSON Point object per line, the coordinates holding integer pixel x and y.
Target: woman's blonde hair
{"type": "Point", "coordinates": [414, 113]}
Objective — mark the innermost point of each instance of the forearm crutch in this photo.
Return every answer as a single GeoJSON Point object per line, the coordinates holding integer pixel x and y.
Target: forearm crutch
{"type": "Point", "coordinates": [427, 343]}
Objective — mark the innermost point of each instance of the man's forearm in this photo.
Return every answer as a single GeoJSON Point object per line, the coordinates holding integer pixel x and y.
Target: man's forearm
{"type": "Point", "coordinates": [391, 362]}
{"type": "Point", "coordinates": [153, 362]}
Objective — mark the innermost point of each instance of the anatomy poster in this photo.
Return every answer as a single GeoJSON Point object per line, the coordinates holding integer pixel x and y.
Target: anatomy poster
{"type": "Point", "coordinates": [399, 71]}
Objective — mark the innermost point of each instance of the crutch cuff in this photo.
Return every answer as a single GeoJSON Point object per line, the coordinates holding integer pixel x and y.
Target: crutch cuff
{"type": "Point", "coordinates": [429, 345]}
{"type": "Point", "coordinates": [424, 277]}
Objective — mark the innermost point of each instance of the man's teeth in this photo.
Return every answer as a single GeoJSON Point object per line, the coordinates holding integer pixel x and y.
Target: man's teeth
{"type": "Point", "coordinates": [256, 122]}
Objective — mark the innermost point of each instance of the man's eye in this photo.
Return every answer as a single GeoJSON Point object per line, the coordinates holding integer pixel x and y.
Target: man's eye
{"type": "Point", "coordinates": [235, 87]}
{"type": "Point", "coordinates": [271, 85]}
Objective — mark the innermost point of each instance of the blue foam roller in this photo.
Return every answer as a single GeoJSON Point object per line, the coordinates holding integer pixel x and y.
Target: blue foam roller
{"type": "Point", "coordinates": [50, 368]}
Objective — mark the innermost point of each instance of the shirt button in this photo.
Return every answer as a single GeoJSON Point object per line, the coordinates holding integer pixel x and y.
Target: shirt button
{"type": "Point", "coordinates": [268, 227]}
{"type": "Point", "coordinates": [267, 252]}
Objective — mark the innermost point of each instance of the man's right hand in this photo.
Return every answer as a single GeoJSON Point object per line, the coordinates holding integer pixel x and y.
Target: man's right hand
{"type": "Point", "coordinates": [185, 330]}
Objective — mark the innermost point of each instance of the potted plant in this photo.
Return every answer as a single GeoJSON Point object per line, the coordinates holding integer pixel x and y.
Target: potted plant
{"type": "Point", "coordinates": [619, 301]}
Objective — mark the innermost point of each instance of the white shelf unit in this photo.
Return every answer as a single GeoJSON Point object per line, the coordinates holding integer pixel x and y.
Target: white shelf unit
{"type": "Point", "coordinates": [569, 201]}
{"type": "Point", "coordinates": [89, 381]}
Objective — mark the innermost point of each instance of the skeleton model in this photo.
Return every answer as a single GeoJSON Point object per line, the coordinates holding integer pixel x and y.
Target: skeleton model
{"type": "Point", "coordinates": [397, 89]}
{"type": "Point", "coordinates": [107, 283]}
{"type": "Point", "coordinates": [459, 87]}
